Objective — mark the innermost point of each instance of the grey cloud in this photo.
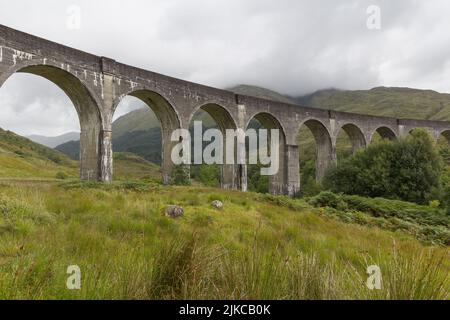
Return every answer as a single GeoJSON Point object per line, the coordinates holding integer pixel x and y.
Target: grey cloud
{"type": "Point", "coordinates": [291, 46]}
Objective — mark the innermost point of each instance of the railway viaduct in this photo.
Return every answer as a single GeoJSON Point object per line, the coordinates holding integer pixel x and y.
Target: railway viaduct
{"type": "Point", "coordinates": [96, 85]}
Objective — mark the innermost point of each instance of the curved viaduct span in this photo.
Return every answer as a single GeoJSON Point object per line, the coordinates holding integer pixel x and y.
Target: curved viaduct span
{"type": "Point", "coordinates": [96, 86]}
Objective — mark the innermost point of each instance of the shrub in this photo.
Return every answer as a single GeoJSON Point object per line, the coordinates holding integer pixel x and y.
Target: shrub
{"type": "Point", "coordinates": [407, 169]}
{"type": "Point", "coordinates": [55, 158]}
{"type": "Point", "coordinates": [283, 201]}
{"type": "Point", "coordinates": [180, 175]}
{"type": "Point", "coordinates": [209, 175]}
{"type": "Point", "coordinates": [61, 176]}
{"type": "Point", "coordinates": [328, 199]}
{"type": "Point", "coordinates": [435, 204]}
{"type": "Point", "coordinates": [430, 225]}
{"type": "Point", "coordinates": [256, 182]}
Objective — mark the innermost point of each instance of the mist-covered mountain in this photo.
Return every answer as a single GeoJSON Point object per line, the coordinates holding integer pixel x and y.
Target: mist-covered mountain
{"type": "Point", "coordinates": [137, 120]}
{"type": "Point", "coordinates": [262, 93]}
{"type": "Point", "coordinates": [52, 142]}
{"type": "Point", "coordinates": [382, 101]}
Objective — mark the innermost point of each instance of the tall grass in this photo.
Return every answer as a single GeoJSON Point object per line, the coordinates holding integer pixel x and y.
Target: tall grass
{"type": "Point", "coordinates": [418, 278]}
{"type": "Point", "coordinates": [185, 272]}
{"type": "Point", "coordinates": [255, 248]}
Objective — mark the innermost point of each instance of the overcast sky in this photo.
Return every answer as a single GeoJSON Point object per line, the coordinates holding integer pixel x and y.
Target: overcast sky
{"type": "Point", "coordinates": [291, 46]}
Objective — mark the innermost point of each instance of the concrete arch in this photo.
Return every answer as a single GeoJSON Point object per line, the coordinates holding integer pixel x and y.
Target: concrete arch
{"type": "Point", "coordinates": [88, 109]}
{"type": "Point", "coordinates": [268, 121]}
{"type": "Point", "coordinates": [169, 121]}
{"type": "Point", "coordinates": [278, 182]}
{"type": "Point", "coordinates": [385, 133]}
{"type": "Point", "coordinates": [325, 150]}
{"type": "Point", "coordinates": [66, 80]}
{"type": "Point", "coordinates": [220, 115]}
{"type": "Point", "coordinates": [356, 136]}
{"type": "Point", "coordinates": [446, 135]}
{"type": "Point", "coordinates": [162, 107]}
{"type": "Point", "coordinates": [229, 175]}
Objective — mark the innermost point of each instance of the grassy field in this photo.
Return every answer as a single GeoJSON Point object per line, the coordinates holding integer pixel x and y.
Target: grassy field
{"type": "Point", "coordinates": [128, 166]}
{"type": "Point", "coordinates": [256, 247]}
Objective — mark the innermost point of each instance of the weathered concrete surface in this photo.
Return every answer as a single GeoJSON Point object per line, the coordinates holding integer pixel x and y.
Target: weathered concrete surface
{"type": "Point", "coordinates": [96, 85]}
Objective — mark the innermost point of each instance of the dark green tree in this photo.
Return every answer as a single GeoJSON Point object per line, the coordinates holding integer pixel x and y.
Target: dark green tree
{"type": "Point", "coordinates": [256, 182]}
{"type": "Point", "coordinates": [209, 175]}
{"type": "Point", "coordinates": [180, 175]}
{"type": "Point", "coordinates": [408, 169]}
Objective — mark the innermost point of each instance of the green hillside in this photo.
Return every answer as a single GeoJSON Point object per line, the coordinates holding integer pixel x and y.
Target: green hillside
{"type": "Point", "coordinates": [129, 166]}
{"type": "Point", "coordinates": [382, 101]}
{"type": "Point", "coordinates": [261, 93]}
{"type": "Point", "coordinates": [21, 157]}
{"type": "Point", "coordinates": [138, 120]}
{"type": "Point", "coordinates": [144, 120]}
{"type": "Point", "coordinates": [145, 143]}
{"type": "Point", "coordinates": [71, 149]}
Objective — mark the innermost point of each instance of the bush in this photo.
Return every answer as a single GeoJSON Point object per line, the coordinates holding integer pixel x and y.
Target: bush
{"type": "Point", "coordinates": [135, 186]}
{"type": "Point", "coordinates": [209, 175]}
{"type": "Point", "coordinates": [180, 176]}
{"type": "Point", "coordinates": [310, 186]}
{"type": "Point", "coordinates": [328, 199]}
{"type": "Point", "coordinates": [435, 204]}
{"type": "Point", "coordinates": [403, 210]}
{"type": "Point", "coordinates": [283, 201]}
{"type": "Point", "coordinates": [55, 158]}
{"type": "Point", "coordinates": [385, 208]}
{"type": "Point", "coordinates": [408, 169]}
{"type": "Point", "coordinates": [256, 182]}
{"type": "Point", "coordinates": [61, 176]}
{"type": "Point", "coordinates": [428, 224]}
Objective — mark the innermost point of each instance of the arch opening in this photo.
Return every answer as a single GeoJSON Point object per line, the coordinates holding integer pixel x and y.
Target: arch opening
{"type": "Point", "coordinates": [350, 139]}
{"type": "Point", "coordinates": [273, 184]}
{"type": "Point", "coordinates": [383, 133]}
{"type": "Point", "coordinates": [141, 131]}
{"type": "Point", "coordinates": [86, 129]}
{"type": "Point", "coordinates": [315, 155]}
{"type": "Point", "coordinates": [443, 144]}
{"type": "Point", "coordinates": [215, 117]}
{"type": "Point", "coordinates": [445, 135]}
